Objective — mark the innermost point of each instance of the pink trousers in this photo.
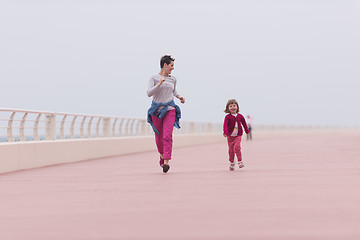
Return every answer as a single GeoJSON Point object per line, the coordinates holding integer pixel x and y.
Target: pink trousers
{"type": "Point", "coordinates": [234, 148]}
{"type": "Point", "coordinates": [165, 127]}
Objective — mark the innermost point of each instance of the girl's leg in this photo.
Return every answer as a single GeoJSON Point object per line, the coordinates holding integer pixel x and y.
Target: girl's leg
{"type": "Point", "coordinates": [168, 126]}
{"type": "Point", "coordinates": [231, 142]}
{"type": "Point", "coordinates": [237, 147]}
{"type": "Point", "coordinates": [158, 123]}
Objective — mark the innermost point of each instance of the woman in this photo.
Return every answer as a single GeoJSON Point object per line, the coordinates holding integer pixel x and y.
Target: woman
{"type": "Point", "coordinates": [164, 114]}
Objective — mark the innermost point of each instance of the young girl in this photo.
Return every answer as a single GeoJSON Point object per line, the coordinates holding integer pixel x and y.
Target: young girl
{"type": "Point", "coordinates": [233, 131]}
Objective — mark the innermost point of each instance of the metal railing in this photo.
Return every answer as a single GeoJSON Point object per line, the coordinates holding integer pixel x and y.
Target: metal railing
{"type": "Point", "coordinates": [28, 125]}
{"type": "Point", "coordinates": [262, 127]}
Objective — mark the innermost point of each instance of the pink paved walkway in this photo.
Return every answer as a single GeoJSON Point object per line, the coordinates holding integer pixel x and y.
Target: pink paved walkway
{"type": "Point", "coordinates": [304, 187]}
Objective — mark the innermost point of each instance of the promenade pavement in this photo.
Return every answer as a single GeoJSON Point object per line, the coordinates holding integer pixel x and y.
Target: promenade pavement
{"type": "Point", "coordinates": [302, 186]}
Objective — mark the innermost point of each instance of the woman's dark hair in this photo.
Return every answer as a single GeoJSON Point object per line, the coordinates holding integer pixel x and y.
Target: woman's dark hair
{"type": "Point", "coordinates": [166, 59]}
{"type": "Point", "coordinates": [231, 101]}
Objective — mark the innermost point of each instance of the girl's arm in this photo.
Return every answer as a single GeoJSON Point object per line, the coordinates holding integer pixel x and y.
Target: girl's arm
{"type": "Point", "coordinates": [225, 127]}
{"type": "Point", "coordinates": [243, 122]}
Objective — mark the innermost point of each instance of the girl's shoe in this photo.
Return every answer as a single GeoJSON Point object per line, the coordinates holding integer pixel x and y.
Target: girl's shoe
{"type": "Point", "coordinates": [241, 165]}
{"type": "Point", "coordinates": [232, 166]}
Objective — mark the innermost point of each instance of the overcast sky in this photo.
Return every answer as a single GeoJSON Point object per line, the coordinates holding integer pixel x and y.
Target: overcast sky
{"type": "Point", "coordinates": [286, 62]}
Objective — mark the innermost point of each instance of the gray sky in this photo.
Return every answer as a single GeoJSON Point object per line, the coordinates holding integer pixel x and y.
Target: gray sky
{"type": "Point", "coordinates": [286, 62]}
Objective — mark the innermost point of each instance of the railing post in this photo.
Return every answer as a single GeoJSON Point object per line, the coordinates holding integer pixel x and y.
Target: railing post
{"type": "Point", "coordinates": [72, 129]}
{"type": "Point", "coordinates": [9, 130]}
{"type": "Point", "coordinates": [36, 127]}
{"type": "Point", "coordinates": [121, 132]}
{"type": "Point", "coordinates": [82, 127]}
{"type": "Point", "coordinates": [22, 127]}
{"type": "Point", "coordinates": [143, 127]}
{"type": "Point", "coordinates": [98, 127]}
{"type": "Point", "coordinates": [62, 134]}
{"type": "Point", "coordinates": [50, 126]}
{"type": "Point", "coordinates": [113, 131]}
{"type": "Point", "coordinates": [127, 127]}
{"type": "Point", "coordinates": [106, 127]}
{"type": "Point", "coordinates": [89, 128]}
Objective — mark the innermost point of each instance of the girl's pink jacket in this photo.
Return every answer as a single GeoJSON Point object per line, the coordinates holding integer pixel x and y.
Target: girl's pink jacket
{"type": "Point", "coordinates": [229, 124]}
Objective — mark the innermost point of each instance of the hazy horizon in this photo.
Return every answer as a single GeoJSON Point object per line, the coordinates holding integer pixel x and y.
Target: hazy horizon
{"type": "Point", "coordinates": [286, 62]}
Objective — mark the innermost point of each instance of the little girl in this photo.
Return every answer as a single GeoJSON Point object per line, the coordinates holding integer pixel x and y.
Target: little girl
{"type": "Point", "coordinates": [233, 131]}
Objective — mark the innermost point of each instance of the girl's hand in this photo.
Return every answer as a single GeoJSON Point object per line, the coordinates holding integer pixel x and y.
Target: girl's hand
{"type": "Point", "coordinates": [162, 79]}
{"type": "Point", "coordinates": [224, 135]}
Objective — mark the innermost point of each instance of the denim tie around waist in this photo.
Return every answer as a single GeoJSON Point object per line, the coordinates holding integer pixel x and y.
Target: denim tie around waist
{"type": "Point", "coordinates": [153, 112]}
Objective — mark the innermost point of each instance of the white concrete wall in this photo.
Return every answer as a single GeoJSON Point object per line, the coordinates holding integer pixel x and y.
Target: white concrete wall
{"type": "Point", "coordinates": [25, 155]}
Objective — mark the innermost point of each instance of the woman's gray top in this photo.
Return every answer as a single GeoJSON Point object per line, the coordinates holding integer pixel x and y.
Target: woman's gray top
{"type": "Point", "coordinates": [165, 93]}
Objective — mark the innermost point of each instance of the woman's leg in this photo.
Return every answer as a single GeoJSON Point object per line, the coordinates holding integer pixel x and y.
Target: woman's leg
{"type": "Point", "coordinates": [168, 126]}
{"type": "Point", "coordinates": [158, 123]}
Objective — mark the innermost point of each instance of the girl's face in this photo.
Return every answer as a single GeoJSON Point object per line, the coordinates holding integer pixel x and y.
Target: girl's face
{"type": "Point", "coordinates": [233, 108]}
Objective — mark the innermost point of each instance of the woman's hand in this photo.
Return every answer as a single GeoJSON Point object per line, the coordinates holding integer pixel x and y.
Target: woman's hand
{"type": "Point", "coordinates": [162, 79]}
{"type": "Point", "coordinates": [182, 99]}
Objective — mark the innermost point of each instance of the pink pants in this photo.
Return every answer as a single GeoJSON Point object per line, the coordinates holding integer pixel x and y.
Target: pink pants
{"type": "Point", "coordinates": [234, 148]}
{"type": "Point", "coordinates": [165, 127]}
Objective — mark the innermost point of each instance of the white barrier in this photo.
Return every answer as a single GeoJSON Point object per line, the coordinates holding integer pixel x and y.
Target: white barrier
{"type": "Point", "coordinates": [50, 138]}
{"type": "Point", "coordinates": [25, 155]}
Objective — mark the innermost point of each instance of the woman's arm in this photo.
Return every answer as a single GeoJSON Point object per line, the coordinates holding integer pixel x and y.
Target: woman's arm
{"type": "Point", "coordinates": [152, 87]}
{"type": "Point", "coordinates": [182, 99]}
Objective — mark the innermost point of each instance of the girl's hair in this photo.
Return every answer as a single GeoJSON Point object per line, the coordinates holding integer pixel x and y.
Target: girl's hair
{"type": "Point", "coordinates": [231, 101]}
{"type": "Point", "coordinates": [166, 59]}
